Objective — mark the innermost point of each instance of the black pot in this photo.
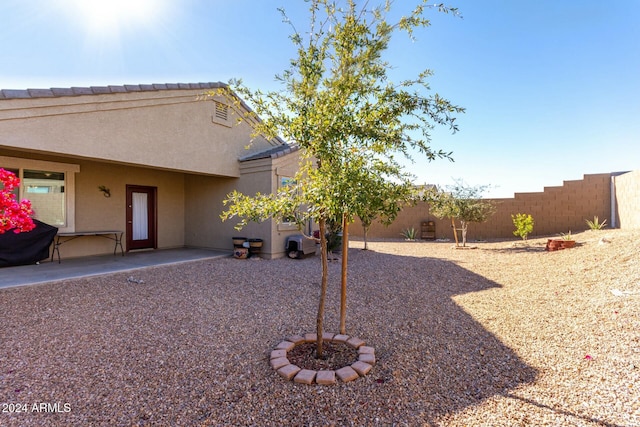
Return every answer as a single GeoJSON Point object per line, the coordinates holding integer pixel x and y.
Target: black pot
{"type": "Point", "coordinates": [238, 241]}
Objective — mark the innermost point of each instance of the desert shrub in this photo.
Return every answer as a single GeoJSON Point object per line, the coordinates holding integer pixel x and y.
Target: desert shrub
{"type": "Point", "coordinates": [409, 233]}
{"type": "Point", "coordinates": [523, 223]}
{"type": "Point", "coordinates": [596, 224]}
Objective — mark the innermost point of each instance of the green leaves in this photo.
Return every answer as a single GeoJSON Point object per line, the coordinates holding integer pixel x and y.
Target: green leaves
{"type": "Point", "coordinates": [349, 120]}
{"type": "Point", "coordinates": [596, 224]}
{"type": "Point", "coordinates": [523, 223]}
{"type": "Point", "coordinates": [461, 202]}
{"type": "Point", "coordinates": [338, 104]}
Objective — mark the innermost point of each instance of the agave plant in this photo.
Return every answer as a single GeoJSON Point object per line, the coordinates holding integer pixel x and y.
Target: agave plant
{"type": "Point", "coordinates": [409, 233]}
{"type": "Point", "coordinates": [566, 236]}
{"type": "Point", "coordinates": [596, 224]}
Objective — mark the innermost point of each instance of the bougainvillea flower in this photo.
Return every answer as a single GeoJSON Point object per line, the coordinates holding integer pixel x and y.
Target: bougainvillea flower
{"type": "Point", "coordinates": [14, 215]}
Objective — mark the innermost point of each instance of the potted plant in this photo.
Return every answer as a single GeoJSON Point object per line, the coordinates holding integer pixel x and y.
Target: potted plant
{"type": "Point", "coordinates": [565, 241]}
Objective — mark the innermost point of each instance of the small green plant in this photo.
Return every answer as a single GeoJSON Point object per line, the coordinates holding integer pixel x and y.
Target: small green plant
{"type": "Point", "coordinates": [566, 236]}
{"type": "Point", "coordinates": [409, 233]}
{"type": "Point", "coordinates": [523, 223]}
{"type": "Point", "coordinates": [596, 224]}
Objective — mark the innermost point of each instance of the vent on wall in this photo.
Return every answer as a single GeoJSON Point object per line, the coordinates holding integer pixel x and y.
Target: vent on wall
{"type": "Point", "coordinates": [222, 111]}
{"type": "Point", "coordinates": [220, 114]}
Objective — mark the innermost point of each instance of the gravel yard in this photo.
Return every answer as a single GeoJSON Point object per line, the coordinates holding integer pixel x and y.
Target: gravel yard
{"type": "Point", "coordinates": [501, 335]}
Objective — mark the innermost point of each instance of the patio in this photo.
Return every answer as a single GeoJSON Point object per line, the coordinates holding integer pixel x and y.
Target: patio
{"type": "Point", "coordinates": [95, 265]}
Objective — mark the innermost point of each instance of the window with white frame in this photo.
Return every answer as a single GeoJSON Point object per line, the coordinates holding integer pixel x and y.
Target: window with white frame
{"type": "Point", "coordinates": [50, 186]}
{"type": "Point", "coordinates": [289, 219]}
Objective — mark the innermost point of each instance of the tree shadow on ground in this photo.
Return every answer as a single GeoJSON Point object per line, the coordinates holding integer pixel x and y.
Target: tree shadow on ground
{"type": "Point", "coordinates": [517, 248]}
{"type": "Point", "coordinates": [438, 358]}
{"type": "Point", "coordinates": [520, 247]}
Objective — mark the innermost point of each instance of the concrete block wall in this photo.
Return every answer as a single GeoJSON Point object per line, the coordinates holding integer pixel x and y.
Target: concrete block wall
{"type": "Point", "coordinates": [627, 187]}
{"type": "Point", "coordinates": [555, 210]}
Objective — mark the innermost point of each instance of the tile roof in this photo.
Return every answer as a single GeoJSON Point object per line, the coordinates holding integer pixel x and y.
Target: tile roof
{"type": "Point", "coordinates": [273, 153]}
{"type": "Point", "coordinates": [101, 90]}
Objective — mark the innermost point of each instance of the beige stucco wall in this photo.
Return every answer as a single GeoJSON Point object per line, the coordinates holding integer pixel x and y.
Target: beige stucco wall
{"type": "Point", "coordinates": [285, 167]}
{"type": "Point", "coordinates": [168, 139]}
{"type": "Point", "coordinates": [168, 129]}
{"type": "Point", "coordinates": [94, 212]}
{"type": "Point", "coordinates": [627, 187]}
{"type": "Point", "coordinates": [189, 206]}
{"type": "Point", "coordinates": [204, 204]}
{"type": "Point", "coordinates": [203, 226]}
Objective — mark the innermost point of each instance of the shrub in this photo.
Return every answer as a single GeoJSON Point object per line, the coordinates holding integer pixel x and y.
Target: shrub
{"type": "Point", "coordinates": [523, 223]}
{"type": "Point", "coordinates": [409, 234]}
{"type": "Point", "coordinates": [14, 215]}
{"type": "Point", "coordinates": [596, 224]}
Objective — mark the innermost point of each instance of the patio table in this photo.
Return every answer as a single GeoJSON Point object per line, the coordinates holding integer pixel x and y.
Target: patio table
{"type": "Point", "coordinates": [115, 235]}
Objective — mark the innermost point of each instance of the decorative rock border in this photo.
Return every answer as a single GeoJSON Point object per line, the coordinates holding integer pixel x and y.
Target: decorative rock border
{"type": "Point", "coordinates": [280, 363]}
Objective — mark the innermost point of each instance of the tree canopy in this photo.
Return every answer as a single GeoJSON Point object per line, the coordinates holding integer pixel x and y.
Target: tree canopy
{"type": "Point", "coordinates": [338, 103]}
{"type": "Point", "coordinates": [461, 202]}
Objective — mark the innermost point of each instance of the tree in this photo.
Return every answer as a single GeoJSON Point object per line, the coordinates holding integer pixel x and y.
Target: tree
{"type": "Point", "coordinates": [523, 223]}
{"type": "Point", "coordinates": [13, 215]}
{"type": "Point", "coordinates": [383, 202]}
{"type": "Point", "coordinates": [460, 202]}
{"type": "Point", "coordinates": [349, 119]}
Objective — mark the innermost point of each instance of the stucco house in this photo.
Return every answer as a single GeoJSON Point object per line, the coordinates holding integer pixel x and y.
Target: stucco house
{"type": "Point", "coordinates": [153, 161]}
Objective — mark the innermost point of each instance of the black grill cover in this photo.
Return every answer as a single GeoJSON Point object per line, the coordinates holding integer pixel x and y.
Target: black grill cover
{"type": "Point", "coordinates": [26, 248]}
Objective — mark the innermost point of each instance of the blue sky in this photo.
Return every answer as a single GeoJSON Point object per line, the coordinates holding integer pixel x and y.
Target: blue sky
{"type": "Point", "coordinates": [551, 88]}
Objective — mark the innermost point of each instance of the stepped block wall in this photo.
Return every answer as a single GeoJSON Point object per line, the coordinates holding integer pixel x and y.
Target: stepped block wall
{"type": "Point", "coordinates": [555, 210]}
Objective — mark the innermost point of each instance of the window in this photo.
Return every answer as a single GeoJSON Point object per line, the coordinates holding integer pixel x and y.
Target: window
{"type": "Point", "coordinates": [49, 186]}
{"type": "Point", "coordinates": [45, 189]}
{"type": "Point", "coordinates": [289, 219]}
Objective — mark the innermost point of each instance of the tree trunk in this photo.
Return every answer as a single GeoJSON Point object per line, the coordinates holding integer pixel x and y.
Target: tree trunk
{"type": "Point", "coordinates": [364, 234]}
{"type": "Point", "coordinates": [464, 226]}
{"type": "Point", "coordinates": [343, 287]}
{"type": "Point", "coordinates": [323, 286]}
{"type": "Point", "coordinates": [455, 232]}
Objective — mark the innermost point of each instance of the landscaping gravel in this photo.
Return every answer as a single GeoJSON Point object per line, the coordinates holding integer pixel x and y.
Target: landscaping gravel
{"type": "Point", "coordinates": [506, 334]}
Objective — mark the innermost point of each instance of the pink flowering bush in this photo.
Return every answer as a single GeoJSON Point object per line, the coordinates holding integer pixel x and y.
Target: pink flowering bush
{"type": "Point", "coordinates": [13, 215]}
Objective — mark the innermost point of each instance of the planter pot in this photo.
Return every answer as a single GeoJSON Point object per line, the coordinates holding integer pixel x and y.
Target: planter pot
{"type": "Point", "coordinates": [241, 253]}
{"type": "Point", "coordinates": [554, 245]}
{"type": "Point", "coordinates": [255, 246]}
{"type": "Point", "coordinates": [255, 243]}
{"type": "Point", "coordinates": [238, 241]}
{"type": "Point", "coordinates": [566, 244]}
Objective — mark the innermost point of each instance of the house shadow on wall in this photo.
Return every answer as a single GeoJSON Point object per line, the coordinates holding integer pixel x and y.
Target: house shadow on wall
{"type": "Point", "coordinates": [428, 343]}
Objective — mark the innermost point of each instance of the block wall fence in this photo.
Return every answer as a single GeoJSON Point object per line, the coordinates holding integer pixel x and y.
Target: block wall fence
{"type": "Point", "coordinates": [555, 210]}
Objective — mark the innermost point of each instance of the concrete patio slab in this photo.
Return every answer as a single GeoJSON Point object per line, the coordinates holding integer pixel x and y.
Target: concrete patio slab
{"type": "Point", "coordinates": [71, 268]}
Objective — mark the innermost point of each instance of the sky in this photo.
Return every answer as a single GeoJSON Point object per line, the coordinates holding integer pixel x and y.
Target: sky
{"type": "Point", "coordinates": [551, 88]}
